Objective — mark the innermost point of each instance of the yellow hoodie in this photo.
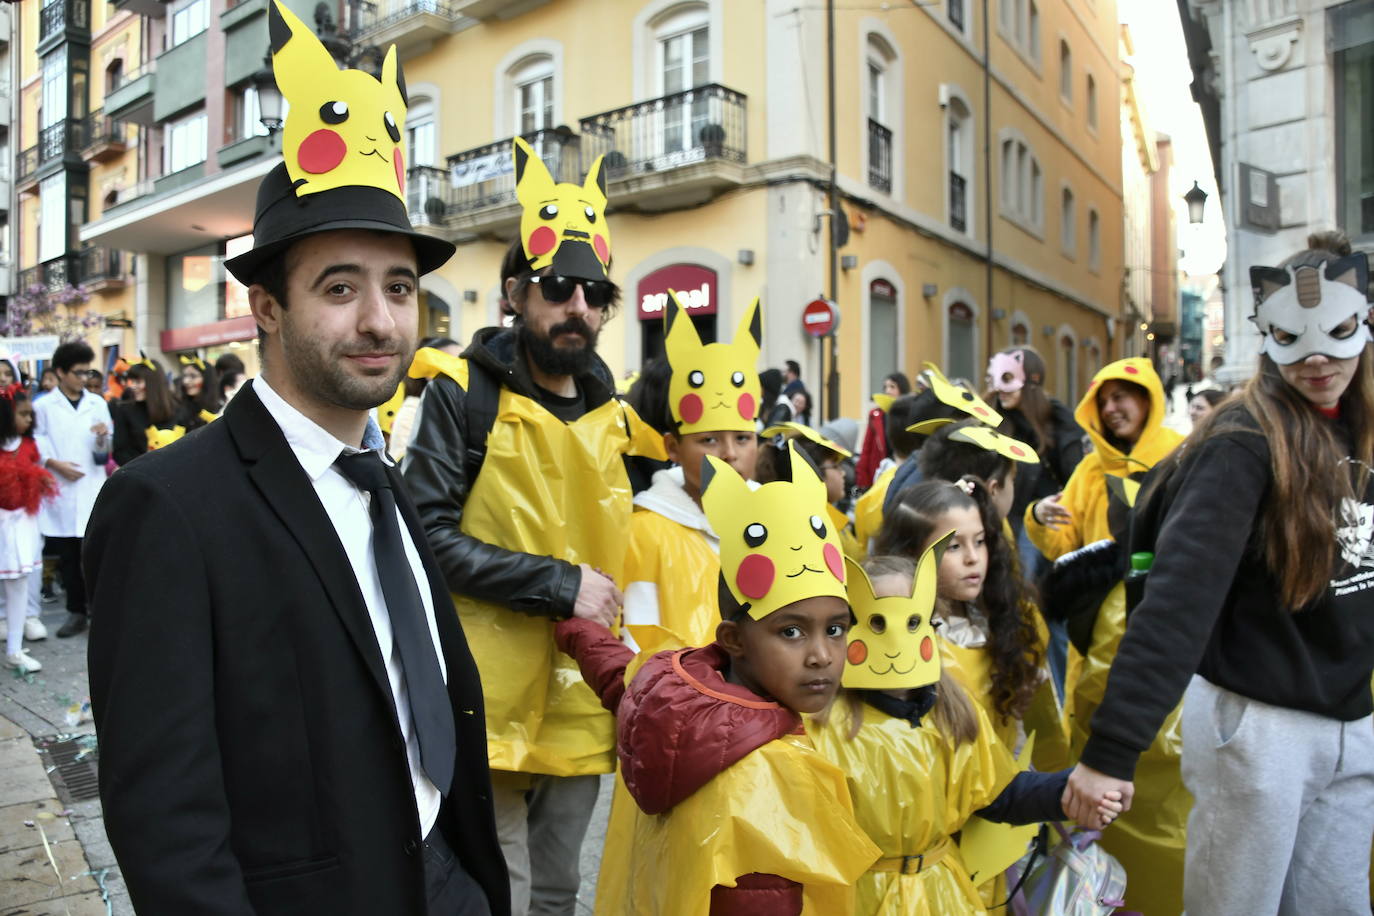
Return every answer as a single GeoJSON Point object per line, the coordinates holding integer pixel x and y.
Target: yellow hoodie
{"type": "Point", "coordinates": [1149, 840]}
{"type": "Point", "coordinates": [1085, 495]}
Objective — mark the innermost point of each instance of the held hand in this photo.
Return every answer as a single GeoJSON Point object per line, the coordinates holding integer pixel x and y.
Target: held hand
{"type": "Point", "coordinates": [1050, 513]}
{"type": "Point", "coordinates": [1091, 798]}
{"type": "Point", "coordinates": [100, 429]}
{"type": "Point", "coordinates": [66, 469]}
{"type": "Point", "coordinates": [597, 598]}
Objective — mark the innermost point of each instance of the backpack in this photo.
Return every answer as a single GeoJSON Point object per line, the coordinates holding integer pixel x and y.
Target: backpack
{"type": "Point", "coordinates": [479, 408]}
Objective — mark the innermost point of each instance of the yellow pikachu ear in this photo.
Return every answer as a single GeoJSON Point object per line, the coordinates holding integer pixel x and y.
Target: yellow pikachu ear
{"type": "Point", "coordinates": [751, 324]}
{"type": "Point", "coordinates": [596, 177]}
{"type": "Point", "coordinates": [927, 578]}
{"type": "Point", "coordinates": [721, 484]}
{"type": "Point", "coordinates": [680, 335]}
{"type": "Point", "coordinates": [952, 395]}
{"type": "Point", "coordinates": [391, 74]}
{"type": "Point", "coordinates": [533, 183]}
{"type": "Point", "coordinates": [804, 473]}
{"type": "Point", "coordinates": [857, 583]}
{"type": "Point", "coordinates": [298, 57]}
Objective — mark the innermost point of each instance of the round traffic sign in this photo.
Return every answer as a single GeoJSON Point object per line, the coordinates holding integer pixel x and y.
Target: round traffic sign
{"type": "Point", "coordinates": [820, 318]}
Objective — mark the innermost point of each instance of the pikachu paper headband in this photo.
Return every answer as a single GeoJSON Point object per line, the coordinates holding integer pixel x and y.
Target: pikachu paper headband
{"type": "Point", "coordinates": [776, 543]}
{"type": "Point", "coordinates": [562, 225]}
{"type": "Point", "coordinates": [714, 387]}
{"type": "Point", "coordinates": [892, 643]}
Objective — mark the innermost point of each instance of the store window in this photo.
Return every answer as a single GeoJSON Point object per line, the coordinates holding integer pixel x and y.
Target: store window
{"type": "Point", "coordinates": [697, 288]}
{"type": "Point", "coordinates": [235, 293]}
{"type": "Point", "coordinates": [184, 143]}
{"type": "Point", "coordinates": [195, 287]}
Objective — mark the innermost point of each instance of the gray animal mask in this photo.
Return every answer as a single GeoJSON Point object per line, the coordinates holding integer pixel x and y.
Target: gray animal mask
{"type": "Point", "coordinates": [1305, 311]}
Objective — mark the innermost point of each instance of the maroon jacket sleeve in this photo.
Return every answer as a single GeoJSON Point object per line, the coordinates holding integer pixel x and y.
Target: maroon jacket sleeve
{"type": "Point", "coordinates": [757, 895]}
{"type": "Point", "coordinates": [599, 654]}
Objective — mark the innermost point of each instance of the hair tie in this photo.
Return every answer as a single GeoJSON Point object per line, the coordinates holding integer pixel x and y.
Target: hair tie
{"type": "Point", "coordinates": [966, 484]}
{"type": "Point", "coordinates": [9, 391]}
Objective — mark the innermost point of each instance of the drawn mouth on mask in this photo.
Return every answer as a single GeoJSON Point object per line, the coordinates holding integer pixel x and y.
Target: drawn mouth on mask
{"type": "Point", "coordinates": [377, 153]}
{"type": "Point", "coordinates": [892, 669]}
{"type": "Point", "coordinates": [804, 569]}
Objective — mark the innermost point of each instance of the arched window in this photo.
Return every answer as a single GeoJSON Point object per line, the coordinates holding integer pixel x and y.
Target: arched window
{"type": "Point", "coordinates": [1094, 239]}
{"type": "Point", "coordinates": [1068, 216]}
{"type": "Point", "coordinates": [959, 160]}
{"type": "Point", "coordinates": [682, 36]}
{"type": "Point", "coordinates": [1023, 183]}
{"type": "Point", "coordinates": [1068, 366]}
{"type": "Point", "coordinates": [1091, 102]}
{"type": "Point", "coordinates": [420, 132]}
{"type": "Point", "coordinates": [883, 335]}
{"type": "Point", "coordinates": [114, 75]}
{"type": "Point", "coordinates": [882, 105]}
{"type": "Point", "coordinates": [1020, 334]}
{"type": "Point", "coordinates": [533, 86]}
{"type": "Point", "coordinates": [1065, 71]}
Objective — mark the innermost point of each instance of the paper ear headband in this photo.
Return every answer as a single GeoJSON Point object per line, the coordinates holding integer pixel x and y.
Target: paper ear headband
{"type": "Point", "coordinates": [952, 395]}
{"type": "Point", "coordinates": [883, 401]}
{"type": "Point", "coordinates": [562, 225]}
{"type": "Point", "coordinates": [985, 437]}
{"type": "Point", "coordinates": [344, 128]}
{"type": "Point", "coordinates": [792, 429]}
{"type": "Point", "coordinates": [713, 387]}
{"type": "Point", "coordinates": [143, 361]}
{"type": "Point", "coordinates": [193, 361]}
{"type": "Point", "coordinates": [1305, 311]}
{"type": "Point", "coordinates": [776, 546]}
{"type": "Point", "coordinates": [892, 643]}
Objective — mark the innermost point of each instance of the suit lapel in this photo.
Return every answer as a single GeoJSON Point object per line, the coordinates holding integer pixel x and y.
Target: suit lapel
{"type": "Point", "coordinates": [276, 472]}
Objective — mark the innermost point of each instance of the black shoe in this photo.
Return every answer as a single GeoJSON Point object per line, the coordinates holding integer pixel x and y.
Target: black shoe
{"type": "Point", "coordinates": [76, 623]}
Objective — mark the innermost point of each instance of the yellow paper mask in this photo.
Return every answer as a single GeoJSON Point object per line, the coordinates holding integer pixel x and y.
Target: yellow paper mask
{"type": "Point", "coordinates": [883, 401]}
{"type": "Point", "coordinates": [776, 546]}
{"type": "Point", "coordinates": [386, 413]}
{"type": "Point", "coordinates": [951, 395]}
{"type": "Point", "coordinates": [714, 387]}
{"type": "Point", "coordinates": [343, 128]}
{"type": "Point", "coordinates": [563, 225]}
{"type": "Point", "coordinates": [986, 437]}
{"type": "Point", "coordinates": [791, 429]}
{"type": "Point", "coordinates": [892, 645]}
{"type": "Point", "coordinates": [931, 426]}
{"type": "Point", "coordinates": [160, 438]}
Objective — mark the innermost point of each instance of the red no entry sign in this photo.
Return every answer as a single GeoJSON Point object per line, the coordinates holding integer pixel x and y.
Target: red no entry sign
{"type": "Point", "coordinates": [820, 318]}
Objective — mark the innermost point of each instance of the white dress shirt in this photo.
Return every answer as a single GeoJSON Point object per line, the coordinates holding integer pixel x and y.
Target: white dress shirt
{"type": "Point", "coordinates": [349, 509]}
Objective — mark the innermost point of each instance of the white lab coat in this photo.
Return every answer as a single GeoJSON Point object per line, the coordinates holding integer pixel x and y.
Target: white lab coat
{"type": "Point", "coordinates": [64, 433]}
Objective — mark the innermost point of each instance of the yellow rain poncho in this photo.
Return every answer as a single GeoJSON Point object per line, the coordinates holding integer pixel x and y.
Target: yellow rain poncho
{"type": "Point", "coordinates": [868, 509]}
{"type": "Point", "coordinates": [912, 790]}
{"type": "Point", "coordinates": [675, 568]}
{"type": "Point", "coordinates": [1149, 840]}
{"type": "Point", "coordinates": [541, 716]}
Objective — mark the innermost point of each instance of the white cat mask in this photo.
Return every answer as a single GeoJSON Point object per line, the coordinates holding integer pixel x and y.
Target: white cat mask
{"type": "Point", "coordinates": [1308, 310]}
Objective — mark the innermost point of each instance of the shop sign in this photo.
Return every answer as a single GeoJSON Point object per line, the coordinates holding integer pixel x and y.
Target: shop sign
{"type": "Point", "coordinates": [695, 285]}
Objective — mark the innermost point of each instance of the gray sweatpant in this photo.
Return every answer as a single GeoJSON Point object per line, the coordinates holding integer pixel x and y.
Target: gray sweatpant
{"type": "Point", "coordinates": [1283, 808]}
{"type": "Point", "coordinates": [541, 822]}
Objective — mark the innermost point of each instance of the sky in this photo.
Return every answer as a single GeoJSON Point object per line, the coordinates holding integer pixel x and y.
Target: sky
{"type": "Point", "coordinates": [1162, 83]}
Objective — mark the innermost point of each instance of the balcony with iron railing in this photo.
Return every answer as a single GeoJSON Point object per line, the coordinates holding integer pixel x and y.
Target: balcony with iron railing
{"type": "Point", "coordinates": [57, 140]}
{"type": "Point", "coordinates": [958, 201]}
{"type": "Point", "coordinates": [429, 195]}
{"type": "Point", "coordinates": [26, 170]}
{"type": "Point", "coordinates": [52, 275]}
{"type": "Point", "coordinates": [58, 19]}
{"type": "Point", "coordinates": [103, 138]}
{"type": "Point", "coordinates": [879, 157]}
{"type": "Point", "coordinates": [404, 23]}
{"type": "Point", "coordinates": [132, 99]}
{"type": "Point", "coordinates": [482, 179]}
{"type": "Point", "coordinates": [102, 269]}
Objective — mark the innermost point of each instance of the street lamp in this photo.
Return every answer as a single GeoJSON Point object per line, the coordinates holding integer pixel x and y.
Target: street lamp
{"type": "Point", "coordinates": [1196, 198]}
{"type": "Point", "coordinates": [269, 97]}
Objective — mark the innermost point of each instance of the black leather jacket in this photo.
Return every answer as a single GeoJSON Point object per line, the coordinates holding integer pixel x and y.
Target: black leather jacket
{"type": "Point", "coordinates": [435, 472]}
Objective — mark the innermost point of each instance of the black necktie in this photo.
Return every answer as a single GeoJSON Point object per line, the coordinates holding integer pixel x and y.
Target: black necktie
{"type": "Point", "coordinates": [430, 707]}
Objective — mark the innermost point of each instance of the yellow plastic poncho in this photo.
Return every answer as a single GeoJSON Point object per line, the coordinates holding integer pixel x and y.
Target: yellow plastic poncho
{"type": "Point", "coordinates": [556, 489]}
{"type": "Point", "coordinates": [1149, 839]}
{"type": "Point", "coordinates": [868, 509]}
{"type": "Point", "coordinates": [912, 790]}
{"type": "Point", "coordinates": [684, 571]}
{"type": "Point", "coordinates": [782, 810]}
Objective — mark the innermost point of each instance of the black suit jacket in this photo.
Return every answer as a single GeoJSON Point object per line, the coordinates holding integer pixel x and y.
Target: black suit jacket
{"type": "Point", "coordinates": [250, 756]}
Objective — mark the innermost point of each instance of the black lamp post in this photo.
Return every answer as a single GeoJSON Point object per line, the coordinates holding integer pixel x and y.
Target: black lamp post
{"type": "Point", "coordinates": [269, 97]}
{"type": "Point", "coordinates": [1196, 199]}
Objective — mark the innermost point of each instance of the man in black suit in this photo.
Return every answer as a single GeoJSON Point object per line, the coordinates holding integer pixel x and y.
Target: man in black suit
{"type": "Point", "coordinates": [289, 718]}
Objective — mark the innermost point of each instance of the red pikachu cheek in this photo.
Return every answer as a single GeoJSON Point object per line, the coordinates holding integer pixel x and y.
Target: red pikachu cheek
{"type": "Point", "coordinates": [857, 652]}
{"type": "Point", "coordinates": [398, 159]}
{"type": "Point", "coordinates": [927, 649]}
{"type": "Point", "coordinates": [1131, 370]}
{"type": "Point", "coordinates": [980, 411]}
{"type": "Point", "coordinates": [690, 408]}
{"type": "Point", "coordinates": [603, 250]}
{"type": "Point", "coordinates": [834, 561]}
{"type": "Point", "coordinates": [747, 408]}
{"type": "Point", "coordinates": [755, 576]}
{"type": "Point", "coordinates": [542, 241]}
{"type": "Point", "coordinates": [321, 152]}
{"type": "Point", "coordinates": [1017, 450]}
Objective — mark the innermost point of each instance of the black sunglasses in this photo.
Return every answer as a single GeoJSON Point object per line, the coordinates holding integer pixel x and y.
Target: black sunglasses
{"type": "Point", "coordinates": [558, 289]}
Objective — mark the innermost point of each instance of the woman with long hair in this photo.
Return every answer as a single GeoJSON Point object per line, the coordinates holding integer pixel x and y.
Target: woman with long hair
{"type": "Point", "coordinates": [152, 406]}
{"type": "Point", "coordinates": [1256, 612]}
{"type": "Point", "coordinates": [198, 386]}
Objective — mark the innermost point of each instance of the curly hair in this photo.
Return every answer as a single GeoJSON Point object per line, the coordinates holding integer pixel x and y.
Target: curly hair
{"type": "Point", "coordinates": [1013, 640]}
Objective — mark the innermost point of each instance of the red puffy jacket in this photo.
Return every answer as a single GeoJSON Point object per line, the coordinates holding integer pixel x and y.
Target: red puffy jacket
{"type": "Point", "coordinates": [678, 724]}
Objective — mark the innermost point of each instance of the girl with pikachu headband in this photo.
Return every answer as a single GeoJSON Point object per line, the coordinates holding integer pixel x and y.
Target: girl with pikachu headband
{"type": "Point", "coordinates": [921, 759]}
{"type": "Point", "coordinates": [726, 785]}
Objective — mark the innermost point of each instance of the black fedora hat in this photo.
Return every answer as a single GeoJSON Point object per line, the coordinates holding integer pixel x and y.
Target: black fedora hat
{"type": "Point", "coordinates": [283, 218]}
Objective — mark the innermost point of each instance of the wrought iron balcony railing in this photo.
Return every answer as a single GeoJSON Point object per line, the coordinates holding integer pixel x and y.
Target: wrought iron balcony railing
{"type": "Point", "coordinates": [57, 139]}
{"type": "Point", "coordinates": [708, 122]}
{"type": "Point", "coordinates": [100, 130]}
{"type": "Point", "coordinates": [429, 195]}
{"type": "Point", "coordinates": [958, 201]}
{"type": "Point", "coordinates": [879, 157]}
{"type": "Point", "coordinates": [100, 264]}
{"type": "Point", "coordinates": [57, 15]}
{"type": "Point", "coordinates": [368, 18]}
{"type": "Point", "coordinates": [26, 164]}
{"type": "Point", "coordinates": [485, 176]}
{"type": "Point", "coordinates": [52, 275]}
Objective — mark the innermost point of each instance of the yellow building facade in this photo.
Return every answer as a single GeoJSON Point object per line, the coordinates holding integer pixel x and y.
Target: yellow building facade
{"type": "Point", "coordinates": [713, 117]}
